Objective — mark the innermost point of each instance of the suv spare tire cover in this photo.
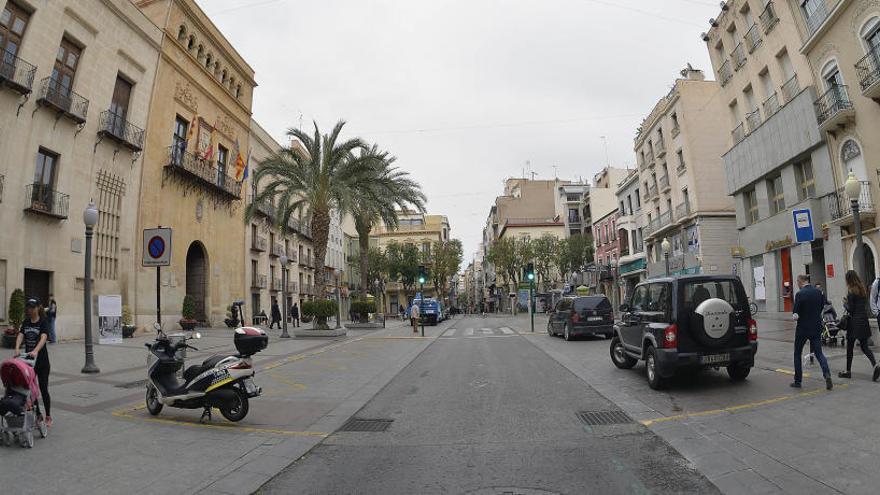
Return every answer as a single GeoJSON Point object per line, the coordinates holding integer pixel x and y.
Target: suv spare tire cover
{"type": "Point", "coordinates": [712, 322]}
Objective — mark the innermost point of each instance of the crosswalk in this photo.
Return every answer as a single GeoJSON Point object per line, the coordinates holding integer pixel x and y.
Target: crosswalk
{"type": "Point", "coordinates": [482, 332]}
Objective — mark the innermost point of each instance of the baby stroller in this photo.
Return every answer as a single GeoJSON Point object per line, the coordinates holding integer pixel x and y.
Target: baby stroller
{"type": "Point", "coordinates": [20, 404]}
{"type": "Point", "coordinates": [829, 326]}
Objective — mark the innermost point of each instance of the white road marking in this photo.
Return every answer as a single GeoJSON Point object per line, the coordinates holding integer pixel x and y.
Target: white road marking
{"type": "Point", "coordinates": [468, 332]}
{"type": "Point", "coordinates": [506, 330]}
{"type": "Point", "coordinates": [487, 331]}
{"type": "Point", "coordinates": [450, 332]}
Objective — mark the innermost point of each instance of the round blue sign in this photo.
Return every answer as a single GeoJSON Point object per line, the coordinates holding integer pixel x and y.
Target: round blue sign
{"type": "Point", "coordinates": [156, 247]}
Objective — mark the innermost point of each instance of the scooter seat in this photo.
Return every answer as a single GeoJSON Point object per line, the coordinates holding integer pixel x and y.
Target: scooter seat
{"type": "Point", "coordinates": [197, 369]}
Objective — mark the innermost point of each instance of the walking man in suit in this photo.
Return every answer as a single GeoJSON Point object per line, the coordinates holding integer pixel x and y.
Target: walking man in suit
{"type": "Point", "coordinates": [808, 314]}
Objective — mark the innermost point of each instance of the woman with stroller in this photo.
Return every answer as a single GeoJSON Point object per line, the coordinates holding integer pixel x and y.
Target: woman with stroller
{"type": "Point", "coordinates": [34, 334]}
{"type": "Point", "coordinates": [856, 305]}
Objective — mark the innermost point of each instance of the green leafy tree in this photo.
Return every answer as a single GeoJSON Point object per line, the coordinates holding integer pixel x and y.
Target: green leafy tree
{"type": "Point", "coordinates": [503, 254]}
{"type": "Point", "coordinates": [319, 174]}
{"type": "Point", "coordinates": [575, 253]}
{"type": "Point", "coordinates": [403, 264]}
{"type": "Point", "coordinates": [16, 308]}
{"type": "Point", "coordinates": [545, 252]}
{"type": "Point", "coordinates": [377, 265]}
{"type": "Point", "coordinates": [443, 262]}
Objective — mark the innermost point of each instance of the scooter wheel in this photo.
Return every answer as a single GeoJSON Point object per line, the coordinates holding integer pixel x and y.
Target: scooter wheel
{"type": "Point", "coordinates": [237, 409]}
{"type": "Point", "coordinates": [154, 405]}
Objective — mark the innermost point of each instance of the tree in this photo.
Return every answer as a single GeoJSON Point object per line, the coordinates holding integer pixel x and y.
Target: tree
{"type": "Point", "coordinates": [388, 190]}
{"type": "Point", "coordinates": [377, 265]}
{"type": "Point", "coordinates": [443, 262]}
{"type": "Point", "coordinates": [575, 253]}
{"type": "Point", "coordinates": [503, 254]}
{"type": "Point", "coordinates": [324, 174]}
{"type": "Point", "coordinates": [545, 252]}
{"type": "Point", "coordinates": [403, 264]}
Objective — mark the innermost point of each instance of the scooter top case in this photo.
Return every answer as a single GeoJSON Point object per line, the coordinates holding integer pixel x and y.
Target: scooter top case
{"type": "Point", "coordinates": [250, 340]}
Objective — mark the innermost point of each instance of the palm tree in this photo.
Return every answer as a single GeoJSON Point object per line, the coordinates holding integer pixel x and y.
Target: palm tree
{"type": "Point", "coordinates": [388, 190]}
{"type": "Point", "coordinates": [324, 174]}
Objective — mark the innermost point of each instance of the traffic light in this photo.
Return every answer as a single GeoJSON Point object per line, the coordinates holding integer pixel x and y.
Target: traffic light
{"type": "Point", "coordinates": [423, 274]}
{"type": "Point", "coordinates": [530, 272]}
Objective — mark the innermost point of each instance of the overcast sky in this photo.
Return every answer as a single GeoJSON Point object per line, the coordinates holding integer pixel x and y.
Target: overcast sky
{"type": "Point", "coordinates": [466, 92]}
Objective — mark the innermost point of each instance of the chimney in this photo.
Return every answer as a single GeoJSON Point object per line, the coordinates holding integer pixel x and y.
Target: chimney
{"type": "Point", "coordinates": [692, 74]}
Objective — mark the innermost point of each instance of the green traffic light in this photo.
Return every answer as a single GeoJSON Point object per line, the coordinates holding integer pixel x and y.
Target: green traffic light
{"type": "Point", "coordinates": [421, 280]}
{"type": "Point", "coordinates": [531, 276]}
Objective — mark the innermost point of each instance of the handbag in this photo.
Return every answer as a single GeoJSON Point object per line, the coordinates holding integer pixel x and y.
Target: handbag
{"type": "Point", "coordinates": [844, 322]}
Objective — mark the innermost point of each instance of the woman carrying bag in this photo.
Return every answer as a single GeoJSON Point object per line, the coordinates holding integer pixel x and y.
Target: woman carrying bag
{"type": "Point", "coordinates": [855, 322]}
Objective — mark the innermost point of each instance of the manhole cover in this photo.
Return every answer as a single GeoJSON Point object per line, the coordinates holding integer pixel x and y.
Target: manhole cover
{"type": "Point", "coordinates": [510, 490]}
{"type": "Point", "coordinates": [135, 384]}
{"type": "Point", "coordinates": [599, 418]}
{"type": "Point", "coordinates": [360, 424]}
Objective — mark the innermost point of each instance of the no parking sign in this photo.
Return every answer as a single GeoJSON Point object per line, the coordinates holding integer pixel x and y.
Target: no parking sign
{"type": "Point", "coordinates": [157, 247]}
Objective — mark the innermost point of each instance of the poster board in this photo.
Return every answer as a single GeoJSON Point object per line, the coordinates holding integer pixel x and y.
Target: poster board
{"type": "Point", "coordinates": [110, 319]}
{"type": "Point", "coordinates": [760, 290]}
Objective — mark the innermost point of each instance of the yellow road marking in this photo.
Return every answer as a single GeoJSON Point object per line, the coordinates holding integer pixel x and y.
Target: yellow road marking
{"type": "Point", "coordinates": [127, 413]}
{"type": "Point", "coordinates": [741, 407]}
{"type": "Point", "coordinates": [788, 372]}
{"type": "Point", "coordinates": [402, 337]}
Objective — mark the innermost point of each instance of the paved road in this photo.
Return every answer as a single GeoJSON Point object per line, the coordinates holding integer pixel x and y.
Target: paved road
{"type": "Point", "coordinates": [484, 411]}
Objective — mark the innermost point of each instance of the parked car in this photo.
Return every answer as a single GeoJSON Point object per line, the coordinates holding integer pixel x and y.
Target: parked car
{"type": "Point", "coordinates": [432, 311]}
{"type": "Point", "coordinates": [579, 316]}
{"type": "Point", "coordinates": [688, 322]}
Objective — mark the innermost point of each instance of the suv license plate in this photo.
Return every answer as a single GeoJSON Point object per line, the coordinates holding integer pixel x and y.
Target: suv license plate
{"type": "Point", "coordinates": [715, 359]}
{"type": "Point", "coordinates": [594, 318]}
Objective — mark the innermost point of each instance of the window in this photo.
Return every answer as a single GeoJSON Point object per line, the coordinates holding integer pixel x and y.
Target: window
{"type": "Point", "coordinates": [815, 12]}
{"type": "Point", "coordinates": [674, 118]}
{"type": "Point", "coordinates": [629, 202]}
{"type": "Point", "coordinates": [119, 106]}
{"type": "Point", "coordinates": [66, 62]}
{"type": "Point", "coordinates": [638, 200]}
{"type": "Point", "coordinates": [681, 166]}
{"type": "Point", "coordinates": [222, 157]}
{"type": "Point", "coordinates": [871, 34]}
{"type": "Point", "coordinates": [13, 21]}
{"type": "Point", "coordinates": [786, 65]}
{"type": "Point", "coordinates": [774, 191]}
{"type": "Point", "coordinates": [44, 174]}
{"type": "Point", "coordinates": [639, 299]}
{"type": "Point", "coordinates": [426, 247]}
{"type": "Point", "coordinates": [806, 181]}
{"type": "Point", "coordinates": [766, 83]}
{"type": "Point", "coordinates": [750, 199]}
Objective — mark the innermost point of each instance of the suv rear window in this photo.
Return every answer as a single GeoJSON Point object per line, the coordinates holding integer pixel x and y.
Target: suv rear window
{"type": "Point", "coordinates": [591, 303]}
{"type": "Point", "coordinates": [696, 292]}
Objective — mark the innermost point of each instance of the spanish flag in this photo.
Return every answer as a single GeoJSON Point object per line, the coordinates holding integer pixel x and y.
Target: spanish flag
{"type": "Point", "coordinates": [239, 163]}
{"type": "Point", "coordinates": [209, 153]}
{"type": "Point", "coordinates": [191, 132]}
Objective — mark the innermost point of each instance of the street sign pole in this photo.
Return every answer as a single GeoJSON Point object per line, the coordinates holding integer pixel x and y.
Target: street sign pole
{"type": "Point", "coordinates": [157, 253]}
{"type": "Point", "coordinates": [532, 302]}
{"type": "Point", "coordinates": [159, 295]}
{"type": "Point", "coordinates": [422, 308]}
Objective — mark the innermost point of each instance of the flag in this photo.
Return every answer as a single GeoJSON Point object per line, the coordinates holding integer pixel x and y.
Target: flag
{"type": "Point", "coordinates": [239, 163]}
{"type": "Point", "coordinates": [247, 166]}
{"type": "Point", "coordinates": [192, 129]}
{"type": "Point", "coordinates": [209, 153]}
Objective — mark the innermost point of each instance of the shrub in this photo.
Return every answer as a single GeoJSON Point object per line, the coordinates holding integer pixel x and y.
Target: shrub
{"type": "Point", "coordinates": [188, 311]}
{"type": "Point", "coordinates": [126, 315]}
{"type": "Point", "coordinates": [363, 308]}
{"type": "Point", "coordinates": [16, 308]}
{"type": "Point", "coordinates": [320, 309]}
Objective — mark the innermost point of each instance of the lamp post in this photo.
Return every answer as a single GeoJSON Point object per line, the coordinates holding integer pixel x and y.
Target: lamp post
{"type": "Point", "coordinates": [284, 260]}
{"type": "Point", "coordinates": [853, 189]}
{"type": "Point", "coordinates": [90, 218]}
{"type": "Point", "coordinates": [666, 248]}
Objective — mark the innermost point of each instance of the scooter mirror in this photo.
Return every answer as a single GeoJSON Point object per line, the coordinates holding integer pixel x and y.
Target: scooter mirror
{"type": "Point", "coordinates": [197, 335]}
{"type": "Point", "coordinates": [157, 326]}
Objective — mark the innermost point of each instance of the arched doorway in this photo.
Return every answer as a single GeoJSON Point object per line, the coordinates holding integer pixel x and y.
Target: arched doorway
{"type": "Point", "coordinates": [870, 273]}
{"type": "Point", "coordinates": [197, 277]}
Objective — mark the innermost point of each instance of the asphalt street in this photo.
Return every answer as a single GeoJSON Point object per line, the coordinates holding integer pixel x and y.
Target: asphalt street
{"type": "Point", "coordinates": [484, 411]}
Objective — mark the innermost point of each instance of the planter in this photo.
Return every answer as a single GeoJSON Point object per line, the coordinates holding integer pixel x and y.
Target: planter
{"type": "Point", "coordinates": [188, 324]}
{"type": "Point", "coordinates": [128, 331]}
{"type": "Point", "coordinates": [301, 332]}
{"type": "Point", "coordinates": [363, 326]}
{"type": "Point", "coordinates": [9, 340]}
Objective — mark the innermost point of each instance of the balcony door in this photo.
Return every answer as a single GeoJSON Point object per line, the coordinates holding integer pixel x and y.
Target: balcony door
{"type": "Point", "coordinates": [13, 21]}
{"type": "Point", "coordinates": [178, 139]}
{"type": "Point", "coordinates": [64, 71]}
{"type": "Point", "coordinates": [44, 180]}
{"type": "Point", "coordinates": [119, 106]}
{"type": "Point", "coordinates": [834, 83]}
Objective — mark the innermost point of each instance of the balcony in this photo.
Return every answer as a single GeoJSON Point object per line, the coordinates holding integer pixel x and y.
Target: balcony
{"type": "Point", "coordinates": [816, 18]}
{"type": "Point", "coordinates": [43, 200]}
{"type": "Point", "coordinates": [771, 106]}
{"type": "Point", "coordinates": [258, 244]}
{"type": "Point", "coordinates": [739, 56]}
{"type": "Point", "coordinates": [868, 69]}
{"type": "Point", "coordinates": [276, 284]}
{"type": "Point", "coordinates": [258, 282]}
{"type": "Point", "coordinates": [307, 289]}
{"type": "Point", "coordinates": [664, 182]}
{"type": "Point", "coordinates": [768, 17]}
{"type": "Point", "coordinates": [753, 38]}
{"type": "Point", "coordinates": [291, 255]}
{"type": "Point", "coordinates": [306, 261]}
{"type": "Point", "coordinates": [652, 191]}
{"type": "Point", "coordinates": [196, 171]}
{"type": "Point", "coordinates": [738, 133]}
{"type": "Point", "coordinates": [681, 168]}
{"type": "Point", "coordinates": [790, 89]}
{"type": "Point", "coordinates": [300, 226]}
{"type": "Point", "coordinates": [660, 148]}
{"type": "Point", "coordinates": [683, 210]}
{"type": "Point", "coordinates": [574, 219]}
{"type": "Point", "coordinates": [753, 120]}
{"type": "Point", "coordinates": [840, 206]}
{"type": "Point", "coordinates": [676, 130]}
{"type": "Point", "coordinates": [834, 109]}
{"type": "Point", "coordinates": [277, 250]}
{"type": "Point", "coordinates": [649, 157]}
{"type": "Point", "coordinates": [118, 129]}
{"type": "Point", "coordinates": [725, 74]}
{"type": "Point", "coordinates": [64, 101]}
{"type": "Point", "coordinates": [17, 74]}
{"type": "Point", "coordinates": [266, 208]}
{"type": "Point", "coordinates": [292, 288]}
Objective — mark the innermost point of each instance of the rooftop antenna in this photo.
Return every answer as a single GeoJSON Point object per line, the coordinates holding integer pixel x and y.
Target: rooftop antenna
{"type": "Point", "coordinates": [300, 119]}
{"type": "Point", "coordinates": [605, 141]}
{"type": "Point", "coordinates": [555, 172]}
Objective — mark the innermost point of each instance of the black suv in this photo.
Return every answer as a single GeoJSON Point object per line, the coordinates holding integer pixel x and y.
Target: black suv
{"type": "Point", "coordinates": [694, 321]}
{"type": "Point", "coordinates": [584, 315]}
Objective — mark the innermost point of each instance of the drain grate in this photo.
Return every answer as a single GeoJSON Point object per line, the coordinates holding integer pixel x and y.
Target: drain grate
{"type": "Point", "coordinates": [371, 425]}
{"type": "Point", "coordinates": [600, 418]}
{"type": "Point", "coordinates": [136, 384]}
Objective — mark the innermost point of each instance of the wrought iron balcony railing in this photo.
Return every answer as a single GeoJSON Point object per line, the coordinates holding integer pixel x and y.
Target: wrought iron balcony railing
{"type": "Point", "coordinates": [739, 133]}
{"type": "Point", "coordinates": [258, 243]}
{"type": "Point", "coordinates": [652, 190]}
{"type": "Point", "coordinates": [42, 199]}
{"type": "Point", "coordinates": [120, 130]}
{"type": "Point", "coordinates": [664, 182]}
{"type": "Point", "coordinates": [682, 210]}
{"type": "Point", "coordinates": [771, 105]}
{"type": "Point", "coordinates": [840, 205]}
{"type": "Point", "coordinates": [203, 171]}
{"type": "Point", "coordinates": [660, 148]}
{"type": "Point", "coordinates": [276, 284]}
{"type": "Point", "coordinates": [816, 18]}
{"type": "Point", "coordinates": [258, 282]}
{"type": "Point", "coordinates": [277, 250]}
{"type": "Point", "coordinates": [676, 130]}
{"type": "Point", "coordinates": [16, 73]}
{"type": "Point", "coordinates": [835, 100]}
{"type": "Point", "coordinates": [753, 38]}
{"type": "Point", "coordinates": [768, 17]}
{"type": "Point", "coordinates": [753, 119]}
{"type": "Point", "coordinates": [291, 287]}
{"type": "Point", "coordinates": [790, 89]}
{"type": "Point", "coordinates": [63, 100]}
{"type": "Point", "coordinates": [725, 73]}
{"type": "Point", "coordinates": [739, 56]}
{"type": "Point", "coordinates": [868, 68]}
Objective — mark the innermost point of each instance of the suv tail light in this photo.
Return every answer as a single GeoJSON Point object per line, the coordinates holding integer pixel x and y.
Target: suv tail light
{"type": "Point", "coordinates": [575, 317]}
{"type": "Point", "coordinates": [670, 337]}
{"type": "Point", "coordinates": [609, 316]}
{"type": "Point", "coordinates": [753, 330]}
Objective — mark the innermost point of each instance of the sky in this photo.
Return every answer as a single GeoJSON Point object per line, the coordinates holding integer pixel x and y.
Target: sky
{"type": "Point", "coordinates": [467, 93]}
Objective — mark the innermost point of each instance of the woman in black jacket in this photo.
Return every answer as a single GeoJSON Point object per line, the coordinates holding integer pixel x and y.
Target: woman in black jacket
{"type": "Point", "coordinates": [859, 329]}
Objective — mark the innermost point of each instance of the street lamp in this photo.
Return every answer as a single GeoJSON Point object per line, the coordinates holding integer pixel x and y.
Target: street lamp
{"type": "Point", "coordinates": [666, 248]}
{"type": "Point", "coordinates": [853, 189]}
{"type": "Point", "coordinates": [90, 218]}
{"type": "Point", "coordinates": [284, 260]}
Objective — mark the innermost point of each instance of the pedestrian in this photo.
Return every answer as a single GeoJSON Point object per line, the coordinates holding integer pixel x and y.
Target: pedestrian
{"type": "Point", "coordinates": [414, 314]}
{"type": "Point", "coordinates": [875, 300]}
{"type": "Point", "coordinates": [859, 328]}
{"type": "Point", "coordinates": [294, 315]}
{"type": "Point", "coordinates": [276, 315]}
{"type": "Point", "coordinates": [51, 313]}
{"type": "Point", "coordinates": [34, 333]}
{"type": "Point", "coordinates": [808, 314]}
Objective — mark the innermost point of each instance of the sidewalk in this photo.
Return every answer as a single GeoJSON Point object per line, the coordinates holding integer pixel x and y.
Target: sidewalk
{"type": "Point", "coordinates": [104, 441]}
